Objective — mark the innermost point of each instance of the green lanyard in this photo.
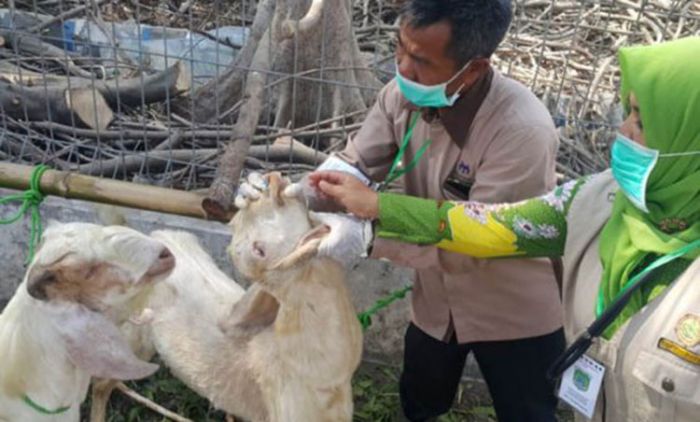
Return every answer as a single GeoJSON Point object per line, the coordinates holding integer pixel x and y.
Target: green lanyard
{"type": "Point", "coordinates": [600, 307]}
{"type": "Point", "coordinates": [394, 171]}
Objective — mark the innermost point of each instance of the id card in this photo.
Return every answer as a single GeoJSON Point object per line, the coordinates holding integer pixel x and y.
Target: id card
{"type": "Point", "coordinates": [581, 384]}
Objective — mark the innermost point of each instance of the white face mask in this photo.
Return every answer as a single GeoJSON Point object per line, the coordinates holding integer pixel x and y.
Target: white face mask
{"type": "Point", "coordinates": [429, 95]}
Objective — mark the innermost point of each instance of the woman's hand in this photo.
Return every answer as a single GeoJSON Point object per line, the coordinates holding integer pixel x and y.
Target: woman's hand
{"type": "Point", "coordinates": [348, 191]}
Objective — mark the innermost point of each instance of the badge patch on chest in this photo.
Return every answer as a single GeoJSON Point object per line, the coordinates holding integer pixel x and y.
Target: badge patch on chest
{"type": "Point", "coordinates": [688, 330]}
{"type": "Point", "coordinates": [463, 168]}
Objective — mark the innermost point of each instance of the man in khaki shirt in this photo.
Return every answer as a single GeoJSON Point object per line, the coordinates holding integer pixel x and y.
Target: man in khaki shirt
{"type": "Point", "coordinates": [487, 138]}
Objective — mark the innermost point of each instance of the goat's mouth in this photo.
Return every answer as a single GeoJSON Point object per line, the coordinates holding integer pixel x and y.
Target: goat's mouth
{"type": "Point", "coordinates": [164, 264]}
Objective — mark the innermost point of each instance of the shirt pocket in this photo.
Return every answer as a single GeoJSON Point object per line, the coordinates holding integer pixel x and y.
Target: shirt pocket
{"type": "Point", "coordinates": [666, 388]}
{"type": "Point", "coordinates": [459, 182]}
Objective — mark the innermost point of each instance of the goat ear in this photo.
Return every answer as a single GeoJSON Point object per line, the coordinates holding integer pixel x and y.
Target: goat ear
{"type": "Point", "coordinates": [255, 310]}
{"type": "Point", "coordinates": [96, 345]}
{"type": "Point", "coordinates": [305, 249]}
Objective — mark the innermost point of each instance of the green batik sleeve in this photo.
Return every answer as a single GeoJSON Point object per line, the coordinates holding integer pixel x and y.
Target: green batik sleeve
{"type": "Point", "coordinates": [532, 228]}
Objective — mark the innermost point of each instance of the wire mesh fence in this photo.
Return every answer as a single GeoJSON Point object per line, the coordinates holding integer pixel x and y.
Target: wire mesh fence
{"type": "Point", "coordinates": [153, 91]}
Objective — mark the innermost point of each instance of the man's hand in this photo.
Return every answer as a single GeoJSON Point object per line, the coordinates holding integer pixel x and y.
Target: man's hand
{"type": "Point", "coordinates": [348, 239]}
{"type": "Point", "coordinates": [348, 191]}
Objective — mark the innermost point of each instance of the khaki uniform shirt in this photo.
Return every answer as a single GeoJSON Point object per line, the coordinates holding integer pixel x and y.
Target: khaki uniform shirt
{"type": "Point", "coordinates": [497, 143]}
{"type": "Point", "coordinates": [653, 361]}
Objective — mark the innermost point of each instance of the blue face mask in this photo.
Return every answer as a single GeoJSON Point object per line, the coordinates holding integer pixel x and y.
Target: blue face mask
{"type": "Point", "coordinates": [428, 95]}
{"type": "Point", "coordinates": [632, 165]}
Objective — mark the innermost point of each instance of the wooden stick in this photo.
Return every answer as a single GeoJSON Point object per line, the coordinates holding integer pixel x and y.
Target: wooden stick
{"type": "Point", "coordinates": [219, 203]}
{"type": "Point", "coordinates": [149, 404]}
{"type": "Point", "coordinates": [78, 186]}
{"type": "Point", "coordinates": [185, 134]}
{"type": "Point", "coordinates": [131, 162]}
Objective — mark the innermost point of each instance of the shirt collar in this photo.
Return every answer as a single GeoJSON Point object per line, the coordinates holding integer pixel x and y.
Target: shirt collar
{"type": "Point", "coordinates": [458, 118]}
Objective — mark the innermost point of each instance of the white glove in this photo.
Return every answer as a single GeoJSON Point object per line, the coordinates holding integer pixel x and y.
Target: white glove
{"type": "Point", "coordinates": [315, 201]}
{"type": "Point", "coordinates": [348, 239]}
{"type": "Point", "coordinates": [302, 190]}
{"type": "Point", "coordinates": [250, 190]}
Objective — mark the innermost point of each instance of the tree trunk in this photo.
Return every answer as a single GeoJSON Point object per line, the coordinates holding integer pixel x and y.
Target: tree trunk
{"type": "Point", "coordinates": [326, 50]}
{"type": "Point", "coordinates": [325, 39]}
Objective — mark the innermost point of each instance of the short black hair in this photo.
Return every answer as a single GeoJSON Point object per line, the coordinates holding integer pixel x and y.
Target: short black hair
{"type": "Point", "coordinates": [478, 26]}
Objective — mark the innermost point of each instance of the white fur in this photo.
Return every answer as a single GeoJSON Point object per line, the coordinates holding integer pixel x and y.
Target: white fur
{"type": "Point", "coordinates": [296, 367]}
{"type": "Point", "coordinates": [49, 348]}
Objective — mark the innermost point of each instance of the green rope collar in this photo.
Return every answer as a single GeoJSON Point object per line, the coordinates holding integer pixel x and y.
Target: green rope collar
{"type": "Point", "coordinates": [31, 198]}
{"type": "Point", "coordinates": [366, 316]}
{"type": "Point", "coordinates": [29, 402]}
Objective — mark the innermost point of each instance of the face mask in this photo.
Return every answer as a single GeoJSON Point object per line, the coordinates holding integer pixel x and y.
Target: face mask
{"type": "Point", "coordinates": [428, 95]}
{"type": "Point", "coordinates": [632, 165]}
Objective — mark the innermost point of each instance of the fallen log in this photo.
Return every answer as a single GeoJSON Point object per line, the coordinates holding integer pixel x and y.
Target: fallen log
{"type": "Point", "coordinates": [74, 106]}
{"type": "Point", "coordinates": [133, 92]}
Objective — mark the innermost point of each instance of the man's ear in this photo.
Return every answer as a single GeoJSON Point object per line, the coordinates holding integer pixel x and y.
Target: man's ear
{"type": "Point", "coordinates": [477, 68]}
{"type": "Point", "coordinates": [95, 345]}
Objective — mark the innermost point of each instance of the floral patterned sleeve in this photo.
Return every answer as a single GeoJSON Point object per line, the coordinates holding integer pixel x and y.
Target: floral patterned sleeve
{"type": "Point", "coordinates": [533, 228]}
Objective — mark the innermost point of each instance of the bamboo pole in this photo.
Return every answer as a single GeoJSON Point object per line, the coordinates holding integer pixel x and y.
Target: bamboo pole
{"type": "Point", "coordinates": [95, 189]}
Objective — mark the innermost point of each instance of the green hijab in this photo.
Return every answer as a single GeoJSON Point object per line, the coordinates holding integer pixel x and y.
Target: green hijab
{"type": "Point", "coordinates": [665, 78]}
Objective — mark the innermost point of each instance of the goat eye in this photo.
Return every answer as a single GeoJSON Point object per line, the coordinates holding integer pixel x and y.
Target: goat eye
{"type": "Point", "coordinates": [258, 251]}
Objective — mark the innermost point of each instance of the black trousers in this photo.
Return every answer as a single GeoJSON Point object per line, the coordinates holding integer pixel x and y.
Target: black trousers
{"type": "Point", "coordinates": [514, 371]}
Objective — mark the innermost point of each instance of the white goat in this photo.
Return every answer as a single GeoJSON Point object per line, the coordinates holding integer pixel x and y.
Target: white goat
{"type": "Point", "coordinates": [284, 350]}
{"type": "Point", "coordinates": [60, 328]}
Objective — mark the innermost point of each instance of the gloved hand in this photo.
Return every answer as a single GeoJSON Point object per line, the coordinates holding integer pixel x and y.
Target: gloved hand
{"type": "Point", "coordinates": [310, 193]}
{"type": "Point", "coordinates": [250, 189]}
{"type": "Point", "coordinates": [349, 238]}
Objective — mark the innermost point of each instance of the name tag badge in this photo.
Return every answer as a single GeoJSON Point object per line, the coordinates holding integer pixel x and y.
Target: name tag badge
{"type": "Point", "coordinates": [580, 385]}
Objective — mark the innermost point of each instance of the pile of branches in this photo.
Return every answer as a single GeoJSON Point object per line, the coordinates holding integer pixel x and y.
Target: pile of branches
{"type": "Point", "coordinates": [114, 118]}
{"type": "Point", "coordinates": [117, 118]}
{"type": "Point", "coordinates": [566, 52]}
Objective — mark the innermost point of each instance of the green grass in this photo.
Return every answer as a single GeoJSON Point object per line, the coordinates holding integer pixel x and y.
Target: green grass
{"type": "Point", "coordinates": [375, 389]}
